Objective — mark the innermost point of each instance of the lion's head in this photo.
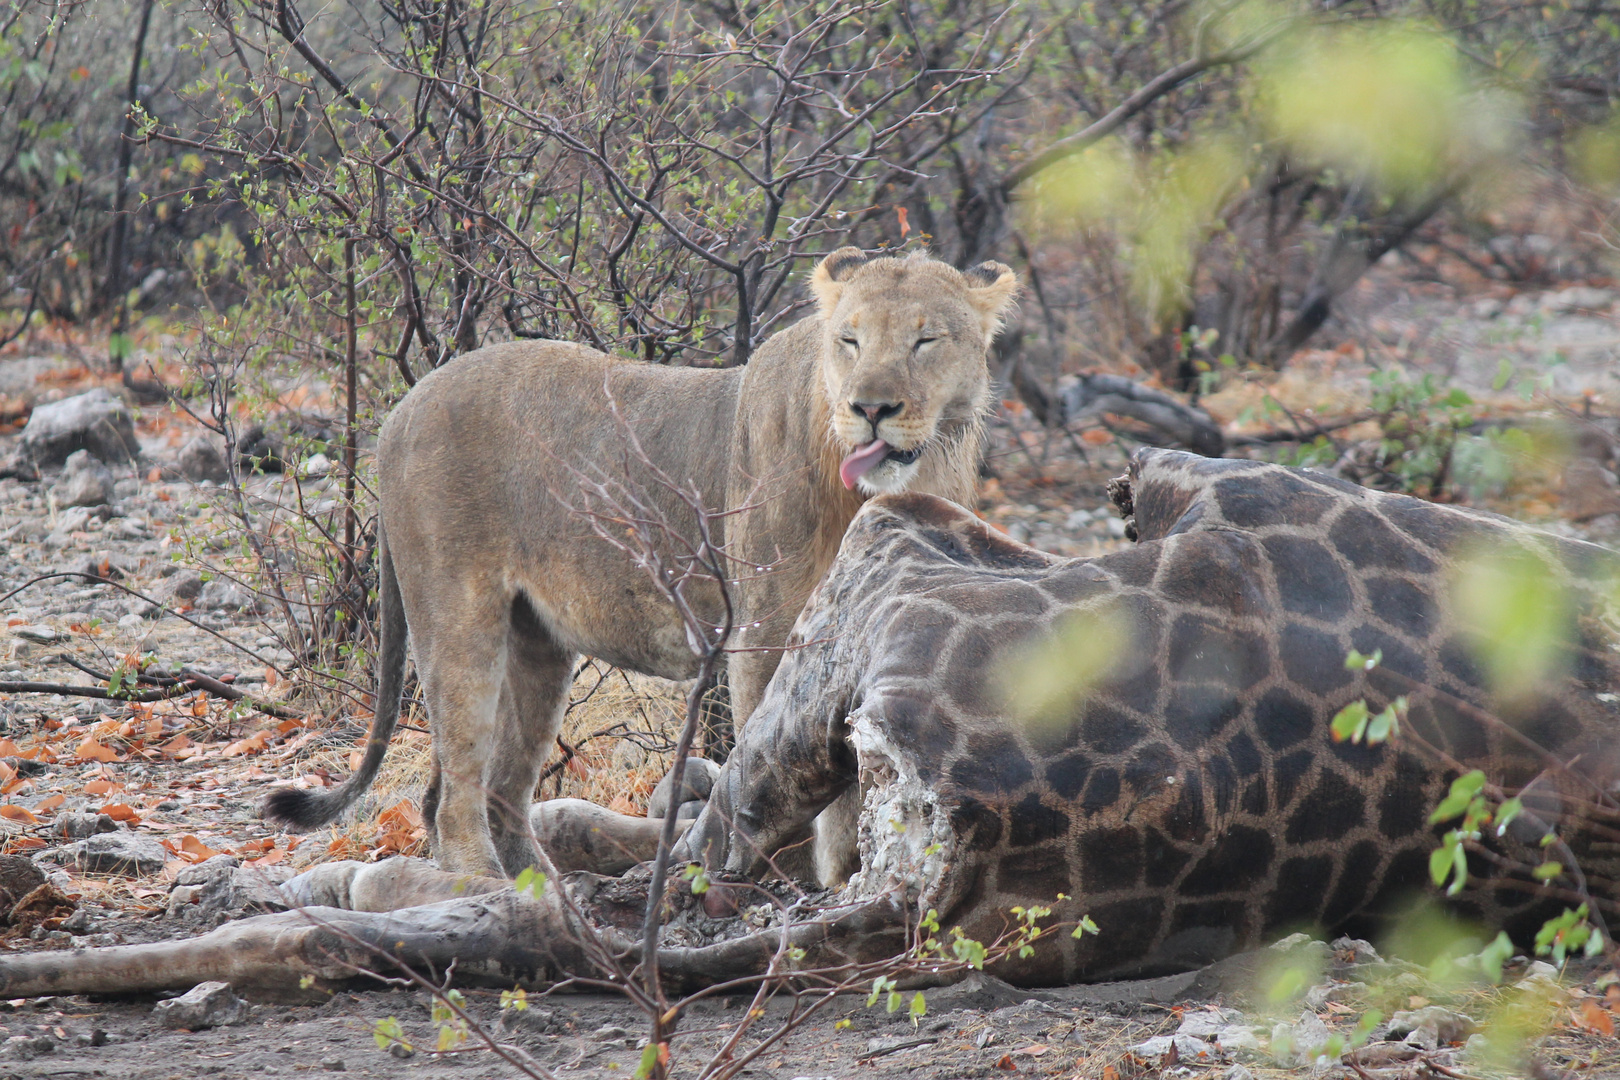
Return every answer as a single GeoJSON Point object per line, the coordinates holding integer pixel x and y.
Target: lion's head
{"type": "Point", "coordinates": [904, 357]}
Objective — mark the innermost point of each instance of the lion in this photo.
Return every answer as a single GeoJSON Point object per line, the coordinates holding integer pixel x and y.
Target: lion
{"type": "Point", "coordinates": [502, 582]}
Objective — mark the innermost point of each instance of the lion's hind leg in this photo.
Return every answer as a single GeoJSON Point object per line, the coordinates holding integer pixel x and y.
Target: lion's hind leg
{"type": "Point", "coordinates": [462, 658]}
{"type": "Point", "coordinates": [539, 672]}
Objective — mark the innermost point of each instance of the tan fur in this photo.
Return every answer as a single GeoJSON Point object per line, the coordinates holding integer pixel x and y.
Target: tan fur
{"type": "Point", "coordinates": [503, 583]}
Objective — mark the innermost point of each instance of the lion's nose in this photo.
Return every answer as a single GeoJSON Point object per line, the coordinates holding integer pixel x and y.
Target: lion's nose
{"type": "Point", "coordinates": [876, 411]}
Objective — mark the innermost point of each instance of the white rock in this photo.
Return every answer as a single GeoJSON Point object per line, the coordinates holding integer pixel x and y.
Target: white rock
{"type": "Point", "coordinates": [206, 1005]}
{"type": "Point", "coordinates": [1188, 1050]}
{"type": "Point", "coordinates": [202, 459]}
{"type": "Point", "coordinates": [118, 853]}
{"type": "Point", "coordinates": [40, 633]}
{"type": "Point", "coordinates": [97, 421]}
{"type": "Point", "coordinates": [85, 482]}
{"type": "Point", "coordinates": [315, 465]}
{"type": "Point", "coordinates": [222, 595]}
{"type": "Point", "coordinates": [130, 623]}
{"type": "Point", "coordinates": [1116, 527]}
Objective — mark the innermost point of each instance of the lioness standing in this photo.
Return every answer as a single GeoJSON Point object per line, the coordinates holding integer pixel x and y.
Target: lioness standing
{"type": "Point", "coordinates": [503, 584]}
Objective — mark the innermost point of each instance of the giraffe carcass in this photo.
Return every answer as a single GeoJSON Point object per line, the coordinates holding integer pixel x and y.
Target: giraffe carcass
{"type": "Point", "coordinates": [1191, 800]}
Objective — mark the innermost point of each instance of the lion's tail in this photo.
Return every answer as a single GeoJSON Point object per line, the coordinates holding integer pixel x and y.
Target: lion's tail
{"type": "Point", "coordinates": [301, 809]}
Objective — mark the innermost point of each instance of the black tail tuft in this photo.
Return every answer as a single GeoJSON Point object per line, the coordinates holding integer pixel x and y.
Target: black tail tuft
{"type": "Point", "coordinates": [300, 810]}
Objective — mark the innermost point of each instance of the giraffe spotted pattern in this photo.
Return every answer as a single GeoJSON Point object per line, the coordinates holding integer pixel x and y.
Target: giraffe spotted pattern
{"type": "Point", "coordinates": [1192, 800]}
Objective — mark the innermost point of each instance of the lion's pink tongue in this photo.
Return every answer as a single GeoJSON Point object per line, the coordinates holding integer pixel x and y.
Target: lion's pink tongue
{"type": "Point", "coordinates": [860, 461]}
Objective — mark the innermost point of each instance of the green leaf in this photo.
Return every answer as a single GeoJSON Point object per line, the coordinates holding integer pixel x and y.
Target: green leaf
{"type": "Point", "coordinates": [919, 1007]}
{"type": "Point", "coordinates": [1492, 956]}
{"type": "Point", "coordinates": [1357, 662]}
{"type": "Point", "coordinates": [649, 1061]}
{"type": "Point", "coordinates": [387, 1032]}
{"type": "Point", "coordinates": [1440, 864]}
{"type": "Point", "coordinates": [1350, 722]}
{"type": "Point", "coordinates": [1463, 790]}
{"type": "Point", "coordinates": [1507, 812]}
{"type": "Point", "coordinates": [1386, 723]}
{"type": "Point", "coordinates": [1547, 871]}
{"type": "Point", "coordinates": [530, 881]}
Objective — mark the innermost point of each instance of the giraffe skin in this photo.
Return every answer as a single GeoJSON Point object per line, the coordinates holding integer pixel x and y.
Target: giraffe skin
{"type": "Point", "coordinates": [1192, 801]}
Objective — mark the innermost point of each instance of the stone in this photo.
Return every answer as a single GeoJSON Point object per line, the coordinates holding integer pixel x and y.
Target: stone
{"type": "Point", "coordinates": [78, 826]}
{"type": "Point", "coordinates": [18, 877]}
{"type": "Point", "coordinates": [202, 459]}
{"type": "Point", "coordinates": [1341, 993]}
{"type": "Point", "coordinates": [177, 590]}
{"type": "Point", "coordinates": [1431, 1027]}
{"type": "Point", "coordinates": [37, 632]}
{"type": "Point", "coordinates": [315, 466]}
{"type": "Point", "coordinates": [74, 519]}
{"type": "Point", "coordinates": [18, 649]}
{"type": "Point", "coordinates": [701, 774]}
{"type": "Point", "coordinates": [334, 1065]}
{"type": "Point", "coordinates": [126, 488]}
{"type": "Point", "coordinates": [534, 1020]}
{"type": "Point", "coordinates": [27, 1047]}
{"type": "Point", "coordinates": [222, 595]}
{"type": "Point", "coordinates": [206, 1005]}
{"type": "Point", "coordinates": [120, 853]}
{"type": "Point", "coordinates": [1298, 1043]}
{"type": "Point", "coordinates": [1589, 490]}
{"type": "Point", "coordinates": [1187, 1049]}
{"type": "Point", "coordinates": [221, 885]}
{"type": "Point", "coordinates": [85, 482]}
{"type": "Point", "coordinates": [128, 528]}
{"type": "Point", "coordinates": [1355, 951]}
{"type": "Point", "coordinates": [129, 623]}
{"type": "Point", "coordinates": [96, 421]}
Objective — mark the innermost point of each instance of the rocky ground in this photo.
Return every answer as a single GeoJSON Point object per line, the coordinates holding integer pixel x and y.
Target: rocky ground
{"type": "Point", "coordinates": [141, 814]}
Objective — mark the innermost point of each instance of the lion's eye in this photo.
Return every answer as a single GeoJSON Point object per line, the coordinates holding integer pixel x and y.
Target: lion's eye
{"type": "Point", "coordinates": [923, 341]}
{"type": "Point", "coordinates": [851, 342]}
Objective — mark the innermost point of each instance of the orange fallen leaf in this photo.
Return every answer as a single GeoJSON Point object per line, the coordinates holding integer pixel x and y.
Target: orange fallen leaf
{"type": "Point", "coordinates": [354, 761]}
{"type": "Point", "coordinates": [1006, 1064]}
{"type": "Point", "coordinates": [402, 815]}
{"type": "Point", "coordinates": [90, 750]}
{"type": "Point", "coordinates": [190, 849]}
{"type": "Point", "coordinates": [18, 813]}
{"type": "Point", "coordinates": [622, 805]}
{"type": "Point", "coordinates": [176, 744]}
{"type": "Point", "coordinates": [250, 745]}
{"type": "Point", "coordinates": [1595, 1018]}
{"type": "Point", "coordinates": [102, 787]}
{"type": "Point", "coordinates": [120, 812]}
{"type": "Point", "coordinates": [50, 802]}
{"type": "Point", "coordinates": [24, 843]}
{"type": "Point", "coordinates": [199, 705]}
{"type": "Point", "coordinates": [1096, 436]}
{"type": "Point", "coordinates": [270, 858]}
{"type": "Point", "coordinates": [1034, 1051]}
{"type": "Point", "coordinates": [9, 749]}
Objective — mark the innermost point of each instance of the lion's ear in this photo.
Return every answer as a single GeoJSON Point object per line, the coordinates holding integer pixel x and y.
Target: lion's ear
{"type": "Point", "coordinates": [828, 280]}
{"type": "Point", "coordinates": [991, 289]}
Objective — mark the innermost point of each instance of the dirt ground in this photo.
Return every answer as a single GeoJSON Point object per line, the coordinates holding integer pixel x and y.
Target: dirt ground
{"type": "Point", "coordinates": [186, 773]}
